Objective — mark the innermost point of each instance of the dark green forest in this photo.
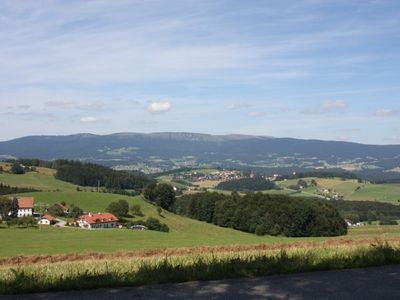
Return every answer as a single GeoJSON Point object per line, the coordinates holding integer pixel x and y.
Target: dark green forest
{"type": "Point", "coordinates": [247, 184]}
{"type": "Point", "coordinates": [264, 214]}
{"type": "Point", "coordinates": [363, 211]}
{"type": "Point", "coordinates": [88, 174]}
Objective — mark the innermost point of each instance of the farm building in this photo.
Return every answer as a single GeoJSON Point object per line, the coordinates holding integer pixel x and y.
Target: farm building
{"type": "Point", "coordinates": [62, 209]}
{"type": "Point", "coordinates": [100, 220]}
{"type": "Point", "coordinates": [25, 206]}
{"type": "Point", "coordinates": [47, 220]}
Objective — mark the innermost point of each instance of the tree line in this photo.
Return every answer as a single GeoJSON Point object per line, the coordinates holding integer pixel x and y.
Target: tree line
{"type": "Point", "coordinates": [320, 174]}
{"type": "Point", "coordinates": [8, 190]}
{"type": "Point", "coordinates": [247, 184]}
{"type": "Point", "coordinates": [88, 174]}
{"type": "Point", "coordinates": [264, 214]}
{"type": "Point", "coordinates": [364, 211]}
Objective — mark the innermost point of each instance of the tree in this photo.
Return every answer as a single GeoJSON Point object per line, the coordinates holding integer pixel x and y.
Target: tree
{"type": "Point", "coordinates": [56, 210]}
{"type": "Point", "coordinates": [148, 192]}
{"type": "Point", "coordinates": [302, 183]}
{"type": "Point", "coordinates": [136, 210]}
{"type": "Point", "coordinates": [75, 212]}
{"type": "Point", "coordinates": [17, 169]}
{"type": "Point", "coordinates": [120, 208]}
{"type": "Point", "coordinates": [155, 224]}
{"type": "Point", "coordinates": [164, 195]}
{"type": "Point", "coordinates": [5, 208]}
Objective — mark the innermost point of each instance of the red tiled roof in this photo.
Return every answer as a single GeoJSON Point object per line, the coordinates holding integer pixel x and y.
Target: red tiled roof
{"type": "Point", "coordinates": [25, 202]}
{"type": "Point", "coordinates": [48, 217]}
{"type": "Point", "coordinates": [99, 218]}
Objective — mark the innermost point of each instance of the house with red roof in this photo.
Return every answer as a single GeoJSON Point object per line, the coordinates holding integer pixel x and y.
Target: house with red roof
{"type": "Point", "coordinates": [100, 220]}
{"type": "Point", "coordinates": [25, 206]}
{"type": "Point", "coordinates": [47, 220]}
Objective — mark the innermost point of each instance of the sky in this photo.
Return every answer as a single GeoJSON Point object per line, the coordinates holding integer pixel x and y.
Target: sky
{"type": "Point", "coordinates": [306, 69]}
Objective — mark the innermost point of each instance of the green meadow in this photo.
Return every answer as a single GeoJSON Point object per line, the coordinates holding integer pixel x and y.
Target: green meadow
{"type": "Point", "coordinates": [184, 232]}
{"type": "Point", "coordinates": [39, 181]}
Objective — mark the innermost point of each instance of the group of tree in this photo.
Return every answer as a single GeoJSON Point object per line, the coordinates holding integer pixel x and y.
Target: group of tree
{"type": "Point", "coordinates": [8, 208]}
{"type": "Point", "coordinates": [17, 169]}
{"type": "Point", "coordinates": [162, 195]}
{"type": "Point", "coordinates": [367, 211]}
{"type": "Point", "coordinates": [247, 184]}
{"type": "Point", "coordinates": [27, 221]}
{"type": "Point", "coordinates": [150, 224]}
{"type": "Point", "coordinates": [8, 190]}
{"type": "Point", "coordinates": [320, 174]}
{"type": "Point", "coordinates": [264, 214]}
{"type": "Point", "coordinates": [88, 174]}
{"type": "Point", "coordinates": [119, 208]}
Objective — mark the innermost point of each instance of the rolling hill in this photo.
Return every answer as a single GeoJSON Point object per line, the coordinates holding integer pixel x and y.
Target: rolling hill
{"type": "Point", "coordinates": [163, 151]}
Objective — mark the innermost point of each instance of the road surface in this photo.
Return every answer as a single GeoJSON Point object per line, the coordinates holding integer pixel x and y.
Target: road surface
{"type": "Point", "coordinates": [369, 283]}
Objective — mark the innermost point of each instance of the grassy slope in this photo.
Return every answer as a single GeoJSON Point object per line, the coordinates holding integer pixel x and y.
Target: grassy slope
{"type": "Point", "coordinates": [184, 232]}
{"type": "Point", "coordinates": [35, 180]}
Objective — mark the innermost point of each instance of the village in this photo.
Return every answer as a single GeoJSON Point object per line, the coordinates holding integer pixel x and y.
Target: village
{"type": "Point", "coordinates": [25, 208]}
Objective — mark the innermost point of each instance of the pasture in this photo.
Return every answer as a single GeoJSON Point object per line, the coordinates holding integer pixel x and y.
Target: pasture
{"type": "Point", "coordinates": [41, 180]}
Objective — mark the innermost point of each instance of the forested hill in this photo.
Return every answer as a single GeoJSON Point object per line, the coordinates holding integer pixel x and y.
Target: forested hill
{"type": "Point", "coordinates": [163, 151]}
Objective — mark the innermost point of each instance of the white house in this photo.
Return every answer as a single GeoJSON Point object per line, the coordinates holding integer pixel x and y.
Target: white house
{"type": "Point", "coordinates": [25, 206]}
{"type": "Point", "coordinates": [100, 220]}
{"type": "Point", "coordinates": [47, 220]}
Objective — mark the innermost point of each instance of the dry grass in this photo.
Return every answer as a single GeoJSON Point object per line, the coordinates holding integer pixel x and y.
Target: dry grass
{"type": "Point", "coordinates": [189, 251]}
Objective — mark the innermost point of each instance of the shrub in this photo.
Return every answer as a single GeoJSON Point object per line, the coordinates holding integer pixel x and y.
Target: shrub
{"type": "Point", "coordinates": [120, 208]}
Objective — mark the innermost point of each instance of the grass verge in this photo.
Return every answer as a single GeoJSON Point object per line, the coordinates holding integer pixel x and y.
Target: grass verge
{"type": "Point", "coordinates": [206, 266]}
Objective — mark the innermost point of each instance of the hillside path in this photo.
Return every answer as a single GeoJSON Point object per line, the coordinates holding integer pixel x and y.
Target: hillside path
{"type": "Point", "coordinates": [367, 283]}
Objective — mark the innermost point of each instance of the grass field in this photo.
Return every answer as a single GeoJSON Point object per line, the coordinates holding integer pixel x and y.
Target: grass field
{"type": "Point", "coordinates": [42, 180]}
{"type": "Point", "coordinates": [184, 232]}
{"type": "Point", "coordinates": [207, 265]}
{"type": "Point", "coordinates": [348, 188]}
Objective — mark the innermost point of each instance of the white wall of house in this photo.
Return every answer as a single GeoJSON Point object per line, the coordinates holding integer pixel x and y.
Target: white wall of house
{"type": "Point", "coordinates": [24, 212]}
{"type": "Point", "coordinates": [44, 222]}
{"type": "Point", "coordinates": [84, 224]}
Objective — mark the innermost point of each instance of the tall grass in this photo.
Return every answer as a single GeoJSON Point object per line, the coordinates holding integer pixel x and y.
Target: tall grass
{"type": "Point", "coordinates": [168, 269]}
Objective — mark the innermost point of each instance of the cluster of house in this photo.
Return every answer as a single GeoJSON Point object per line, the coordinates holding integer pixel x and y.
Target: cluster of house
{"type": "Point", "coordinates": [222, 175]}
{"type": "Point", "coordinates": [100, 220]}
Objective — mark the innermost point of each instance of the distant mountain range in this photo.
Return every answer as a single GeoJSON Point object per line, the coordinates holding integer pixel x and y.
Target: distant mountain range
{"type": "Point", "coordinates": [157, 152]}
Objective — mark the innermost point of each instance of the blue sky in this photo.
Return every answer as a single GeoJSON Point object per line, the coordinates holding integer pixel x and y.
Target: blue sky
{"type": "Point", "coordinates": [306, 69]}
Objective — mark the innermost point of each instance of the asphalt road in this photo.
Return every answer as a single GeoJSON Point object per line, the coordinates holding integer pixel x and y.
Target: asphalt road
{"type": "Point", "coordinates": [369, 283]}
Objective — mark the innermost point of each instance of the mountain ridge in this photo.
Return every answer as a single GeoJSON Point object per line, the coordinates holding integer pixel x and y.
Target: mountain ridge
{"type": "Point", "coordinates": [159, 151]}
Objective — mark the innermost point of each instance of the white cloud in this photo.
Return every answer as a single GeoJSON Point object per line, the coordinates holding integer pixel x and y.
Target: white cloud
{"type": "Point", "coordinates": [255, 114]}
{"type": "Point", "coordinates": [236, 106]}
{"type": "Point", "coordinates": [327, 106]}
{"type": "Point", "coordinates": [88, 120]}
{"type": "Point", "coordinates": [159, 107]}
{"type": "Point", "coordinates": [387, 113]}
